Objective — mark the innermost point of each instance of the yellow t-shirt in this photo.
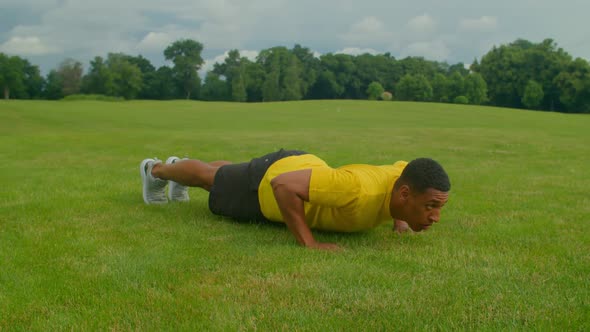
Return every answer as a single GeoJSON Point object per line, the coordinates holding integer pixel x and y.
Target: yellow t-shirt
{"type": "Point", "coordinates": [346, 199]}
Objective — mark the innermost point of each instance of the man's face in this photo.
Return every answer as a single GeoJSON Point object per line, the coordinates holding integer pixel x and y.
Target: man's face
{"type": "Point", "coordinates": [423, 209]}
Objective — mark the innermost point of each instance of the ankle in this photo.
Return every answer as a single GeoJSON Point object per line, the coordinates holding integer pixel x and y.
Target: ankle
{"type": "Point", "coordinates": [156, 170]}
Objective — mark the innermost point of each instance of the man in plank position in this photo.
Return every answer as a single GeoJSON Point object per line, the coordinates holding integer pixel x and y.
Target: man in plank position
{"type": "Point", "coordinates": [302, 191]}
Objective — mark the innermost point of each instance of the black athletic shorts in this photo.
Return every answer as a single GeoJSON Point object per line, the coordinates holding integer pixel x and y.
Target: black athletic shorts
{"type": "Point", "coordinates": [234, 192]}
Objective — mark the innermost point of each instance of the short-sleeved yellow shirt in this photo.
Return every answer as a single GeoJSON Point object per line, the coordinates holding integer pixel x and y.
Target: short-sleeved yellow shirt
{"type": "Point", "coordinates": [345, 199]}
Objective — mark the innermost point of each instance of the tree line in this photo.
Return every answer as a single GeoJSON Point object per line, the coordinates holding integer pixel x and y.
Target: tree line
{"type": "Point", "coordinates": [521, 74]}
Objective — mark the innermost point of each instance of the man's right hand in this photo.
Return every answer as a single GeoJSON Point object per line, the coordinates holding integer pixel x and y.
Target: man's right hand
{"type": "Point", "coordinates": [400, 226]}
{"type": "Point", "coordinates": [291, 190]}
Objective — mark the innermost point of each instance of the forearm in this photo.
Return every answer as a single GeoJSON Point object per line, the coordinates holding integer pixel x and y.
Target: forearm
{"type": "Point", "coordinates": [291, 190]}
{"type": "Point", "coordinates": [293, 212]}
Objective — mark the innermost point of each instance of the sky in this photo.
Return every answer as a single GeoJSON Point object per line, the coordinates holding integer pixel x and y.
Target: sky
{"type": "Point", "coordinates": [48, 31]}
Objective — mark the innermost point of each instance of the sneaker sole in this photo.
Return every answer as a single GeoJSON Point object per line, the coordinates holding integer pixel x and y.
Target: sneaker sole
{"type": "Point", "coordinates": [171, 159]}
{"type": "Point", "coordinates": [144, 182]}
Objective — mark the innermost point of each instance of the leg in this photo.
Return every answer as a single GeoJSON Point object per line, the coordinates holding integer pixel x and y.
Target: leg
{"type": "Point", "coordinates": [192, 173]}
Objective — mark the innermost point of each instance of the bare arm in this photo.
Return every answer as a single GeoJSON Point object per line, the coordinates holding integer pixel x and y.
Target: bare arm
{"type": "Point", "coordinates": [291, 190]}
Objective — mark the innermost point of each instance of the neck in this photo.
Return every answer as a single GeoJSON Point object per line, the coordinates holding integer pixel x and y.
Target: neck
{"type": "Point", "coordinates": [395, 207]}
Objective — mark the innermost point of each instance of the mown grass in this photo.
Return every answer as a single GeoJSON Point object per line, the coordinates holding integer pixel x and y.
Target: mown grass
{"type": "Point", "coordinates": [80, 251]}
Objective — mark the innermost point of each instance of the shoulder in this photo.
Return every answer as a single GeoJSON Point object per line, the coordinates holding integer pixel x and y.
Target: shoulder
{"type": "Point", "coordinates": [326, 176]}
{"type": "Point", "coordinates": [300, 162]}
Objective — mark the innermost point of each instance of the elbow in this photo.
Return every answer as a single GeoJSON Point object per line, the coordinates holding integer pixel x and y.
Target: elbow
{"type": "Point", "coordinates": [281, 187]}
{"type": "Point", "coordinates": [277, 185]}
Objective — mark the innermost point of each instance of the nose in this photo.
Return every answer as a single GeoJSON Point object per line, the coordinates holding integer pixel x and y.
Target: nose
{"type": "Point", "coordinates": [434, 216]}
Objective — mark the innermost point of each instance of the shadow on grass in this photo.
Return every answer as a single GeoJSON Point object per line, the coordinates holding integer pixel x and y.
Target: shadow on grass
{"type": "Point", "coordinates": [263, 233]}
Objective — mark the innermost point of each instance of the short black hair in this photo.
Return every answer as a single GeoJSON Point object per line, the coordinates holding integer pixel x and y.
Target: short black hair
{"type": "Point", "coordinates": [424, 173]}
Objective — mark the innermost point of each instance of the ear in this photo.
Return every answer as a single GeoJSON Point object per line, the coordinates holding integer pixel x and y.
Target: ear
{"type": "Point", "coordinates": [404, 192]}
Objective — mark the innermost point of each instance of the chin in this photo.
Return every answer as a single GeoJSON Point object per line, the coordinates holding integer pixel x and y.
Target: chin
{"type": "Point", "coordinates": [416, 229]}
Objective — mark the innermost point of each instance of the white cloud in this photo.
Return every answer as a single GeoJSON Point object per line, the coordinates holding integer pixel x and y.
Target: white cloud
{"type": "Point", "coordinates": [209, 63]}
{"type": "Point", "coordinates": [369, 24]}
{"type": "Point", "coordinates": [424, 24]}
{"type": "Point", "coordinates": [155, 41]}
{"type": "Point", "coordinates": [357, 51]}
{"type": "Point", "coordinates": [84, 29]}
{"type": "Point", "coordinates": [223, 24]}
{"type": "Point", "coordinates": [27, 46]}
{"type": "Point", "coordinates": [251, 55]}
{"type": "Point", "coordinates": [368, 31]}
{"type": "Point", "coordinates": [484, 23]}
{"type": "Point", "coordinates": [32, 4]}
{"type": "Point", "coordinates": [432, 50]}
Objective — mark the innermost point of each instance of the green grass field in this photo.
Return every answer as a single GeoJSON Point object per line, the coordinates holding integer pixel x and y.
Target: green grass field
{"type": "Point", "coordinates": [79, 250]}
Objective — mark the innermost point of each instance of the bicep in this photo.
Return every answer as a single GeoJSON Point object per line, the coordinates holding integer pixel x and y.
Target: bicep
{"type": "Point", "coordinates": [296, 182]}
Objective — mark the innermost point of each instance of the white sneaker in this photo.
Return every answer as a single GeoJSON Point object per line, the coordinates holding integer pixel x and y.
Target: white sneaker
{"type": "Point", "coordinates": [154, 189]}
{"type": "Point", "coordinates": [176, 191]}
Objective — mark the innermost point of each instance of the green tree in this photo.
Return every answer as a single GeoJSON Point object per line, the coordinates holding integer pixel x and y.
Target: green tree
{"type": "Point", "coordinates": [214, 88]}
{"type": "Point", "coordinates": [543, 62]}
{"type": "Point", "coordinates": [32, 82]}
{"type": "Point", "coordinates": [404, 90]}
{"type": "Point", "coordinates": [271, 88]}
{"type": "Point", "coordinates": [440, 88]}
{"type": "Point", "coordinates": [243, 77]}
{"type": "Point", "coordinates": [126, 76]}
{"type": "Point", "coordinates": [507, 69]}
{"type": "Point", "coordinates": [230, 65]}
{"type": "Point", "coordinates": [414, 88]}
{"type": "Point", "coordinates": [291, 82]}
{"type": "Point", "coordinates": [54, 86]}
{"type": "Point", "coordinates": [254, 79]}
{"type": "Point", "coordinates": [574, 87]}
{"type": "Point", "coordinates": [229, 71]}
{"type": "Point", "coordinates": [533, 95]}
{"type": "Point", "coordinates": [327, 86]}
{"type": "Point", "coordinates": [456, 85]}
{"type": "Point", "coordinates": [419, 66]}
{"type": "Point", "coordinates": [238, 84]}
{"type": "Point", "coordinates": [99, 79]}
{"type": "Point", "coordinates": [458, 68]}
{"type": "Point", "coordinates": [500, 69]}
{"type": "Point", "coordinates": [380, 68]}
{"type": "Point", "coordinates": [338, 78]}
{"type": "Point", "coordinates": [283, 79]}
{"type": "Point", "coordinates": [476, 89]}
{"type": "Point", "coordinates": [70, 73]}
{"type": "Point", "coordinates": [11, 74]}
{"type": "Point", "coordinates": [375, 90]}
{"type": "Point", "coordinates": [310, 67]}
{"type": "Point", "coordinates": [144, 65]}
{"type": "Point", "coordinates": [161, 85]}
{"type": "Point", "coordinates": [148, 74]}
{"type": "Point", "coordinates": [186, 56]}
